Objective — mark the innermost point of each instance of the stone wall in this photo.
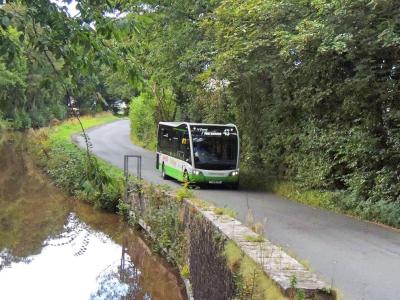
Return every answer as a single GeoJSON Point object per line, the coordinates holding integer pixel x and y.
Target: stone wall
{"type": "Point", "coordinates": [209, 275]}
{"type": "Point", "coordinates": [203, 234]}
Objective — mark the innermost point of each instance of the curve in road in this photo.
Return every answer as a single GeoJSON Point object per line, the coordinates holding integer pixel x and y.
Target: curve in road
{"type": "Point", "coordinates": [361, 259]}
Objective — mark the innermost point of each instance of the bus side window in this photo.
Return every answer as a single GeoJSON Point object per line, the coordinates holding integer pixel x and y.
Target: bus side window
{"type": "Point", "coordinates": [170, 142]}
{"type": "Point", "coordinates": [163, 140]}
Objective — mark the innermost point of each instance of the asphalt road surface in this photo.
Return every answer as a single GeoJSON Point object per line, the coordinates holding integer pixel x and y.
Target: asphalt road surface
{"type": "Point", "coordinates": [361, 259]}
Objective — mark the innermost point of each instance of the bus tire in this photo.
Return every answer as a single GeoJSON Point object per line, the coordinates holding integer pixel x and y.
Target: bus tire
{"type": "Point", "coordinates": [235, 186]}
{"type": "Point", "coordinates": [163, 174]}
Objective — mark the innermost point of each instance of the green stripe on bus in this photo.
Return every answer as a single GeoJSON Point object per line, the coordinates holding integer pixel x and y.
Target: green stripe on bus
{"type": "Point", "coordinates": [207, 179]}
{"type": "Point", "coordinates": [178, 175]}
{"type": "Point", "coordinates": [174, 173]}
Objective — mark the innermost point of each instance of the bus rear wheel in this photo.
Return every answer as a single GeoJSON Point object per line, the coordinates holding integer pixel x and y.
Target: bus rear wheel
{"type": "Point", "coordinates": [163, 174]}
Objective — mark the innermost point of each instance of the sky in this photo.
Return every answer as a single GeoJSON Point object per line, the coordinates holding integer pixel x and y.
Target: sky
{"type": "Point", "coordinates": [73, 11]}
{"type": "Point", "coordinates": [71, 7]}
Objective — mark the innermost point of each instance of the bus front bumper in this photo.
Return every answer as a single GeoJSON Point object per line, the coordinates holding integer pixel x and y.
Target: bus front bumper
{"type": "Point", "coordinates": [214, 178]}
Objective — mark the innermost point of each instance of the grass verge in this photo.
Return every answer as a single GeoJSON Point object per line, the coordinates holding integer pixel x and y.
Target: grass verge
{"type": "Point", "coordinates": [64, 131]}
{"type": "Point", "coordinates": [83, 176]}
{"type": "Point", "coordinates": [344, 202]}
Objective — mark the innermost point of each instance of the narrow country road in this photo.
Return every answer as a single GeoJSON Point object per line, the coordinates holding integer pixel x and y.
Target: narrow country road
{"type": "Point", "coordinates": [361, 259]}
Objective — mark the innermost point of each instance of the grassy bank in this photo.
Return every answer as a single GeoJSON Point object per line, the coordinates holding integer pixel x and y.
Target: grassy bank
{"type": "Point", "coordinates": [67, 128]}
{"type": "Point", "coordinates": [83, 176]}
{"type": "Point", "coordinates": [345, 202]}
{"type": "Point", "coordinates": [341, 201]}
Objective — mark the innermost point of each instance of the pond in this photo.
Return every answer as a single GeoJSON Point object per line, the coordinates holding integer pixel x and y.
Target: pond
{"type": "Point", "coordinates": [56, 247]}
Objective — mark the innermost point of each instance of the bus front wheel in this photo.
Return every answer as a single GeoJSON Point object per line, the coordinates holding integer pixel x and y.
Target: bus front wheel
{"type": "Point", "coordinates": [186, 177]}
{"type": "Point", "coordinates": [235, 186]}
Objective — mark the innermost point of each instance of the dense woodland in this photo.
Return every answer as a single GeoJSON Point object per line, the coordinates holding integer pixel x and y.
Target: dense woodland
{"type": "Point", "coordinates": [313, 85]}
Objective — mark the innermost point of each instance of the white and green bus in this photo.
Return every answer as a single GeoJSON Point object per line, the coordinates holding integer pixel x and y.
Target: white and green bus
{"type": "Point", "coordinates": [198, 153]}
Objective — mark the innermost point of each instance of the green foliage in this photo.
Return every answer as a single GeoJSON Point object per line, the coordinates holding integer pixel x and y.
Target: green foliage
{"type": "Point", "coordinates": [219, 211]}
{"type": "Point", "coordinates": [67, 167]}
{"type": "Point", "coordinates": [256, 239]}
{"type": "Point", "coordinates": [225, 211]}
{"type": "Point", "coordinates": [28, 97]}
{"type": "Point", "coordinates": [318, 198]}
{"type": "Point", "coordinates": [313, 87]}
{"type": "Point", "coordinates": [163, 217]}
{"type": "Point", "coordinates": [328, 104]}
{"type": "Point", "coordinates": [184, 193]}
{"type": "Point", "coordinates": [123, 210]}
{"type": "Point", "coordinates": [71, 126]}
{"type": "Point", "coordinates": [71, 168]}
{"type": "Point", "coordinates": [49, 58]}
{"type": "Point", "coordinates": [143, 124]}
{"type": "Point", "coordinates": [185, 271]}
{"type": "Point", "coordinates": [110, 195]}
{"type": "Point", "coordinates": [155, 103]}
{"type": "Point", "coordinates": [295, 293]}
{"type": "Point", "coordinates": [4, 124]}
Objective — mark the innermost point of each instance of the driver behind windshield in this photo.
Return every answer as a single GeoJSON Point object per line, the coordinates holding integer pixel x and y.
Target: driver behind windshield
{"type": "Point", "coordinates": [202, 153]}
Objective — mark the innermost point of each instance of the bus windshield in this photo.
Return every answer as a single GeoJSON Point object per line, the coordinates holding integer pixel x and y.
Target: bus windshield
{"type": "Point", "coordinates": [215, 147]}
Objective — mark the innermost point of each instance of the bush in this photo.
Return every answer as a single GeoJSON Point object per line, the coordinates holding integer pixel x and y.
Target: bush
{"type": "Point", "coordinates": [143, 123]}
{"type": "Point", "coordinates": [67, 167]}
{"type": "Point", "coordinates": [110, 196]}
{"type": "Point", "coordinates": [123, 210]}
{"type": "Point", "coordinates": [22, 120]}
{"type": "Point", "coordinates": [163, 215]}
{"type": "Point", "coordinates": [4, 124]}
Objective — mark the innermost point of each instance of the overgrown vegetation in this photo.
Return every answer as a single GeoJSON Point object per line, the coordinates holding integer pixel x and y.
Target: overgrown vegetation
{"type": "Point", "coordinates": [71, 168]}
{"type": "Point", "coordinates": [52, 63]}
{"type": "Point", "coordinates": [312, 85]}
{"type": "Point", "coordinates": [143, 124]}
{"type": "Point", "coordinates": [250, 279]}
{"type": "Point", "coordinates": [3, 123]}
{"type": "Point", "coordinates": [324, 199]}
{"type": "Point", "coordinates": [225, 211]}
{"type": "Point", "coordinates": [146, 110]}
{"type": "Point", "coordinates": [256, 239]}
{"type": "Point", "coordinates": [164, 216]}
{"type": "Point", "coordinates": [184, 192]}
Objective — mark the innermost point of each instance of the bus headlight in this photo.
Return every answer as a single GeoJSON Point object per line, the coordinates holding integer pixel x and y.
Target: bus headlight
{"type": "Point", "coordinates": [234, 173]}
{"type": "Point", "coordinates": [197, 172]}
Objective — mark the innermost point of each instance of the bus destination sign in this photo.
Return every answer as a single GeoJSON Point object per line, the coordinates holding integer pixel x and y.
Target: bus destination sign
{"type": "Point", "coordinates": [214, 131]}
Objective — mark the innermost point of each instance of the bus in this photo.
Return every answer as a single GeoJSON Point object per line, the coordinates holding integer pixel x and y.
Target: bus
{"type": "Point", "coordinates": [198, 153]}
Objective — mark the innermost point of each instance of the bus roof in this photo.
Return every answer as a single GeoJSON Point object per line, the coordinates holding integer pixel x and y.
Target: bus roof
{"type": "Point", "coordinates": [176, 124]}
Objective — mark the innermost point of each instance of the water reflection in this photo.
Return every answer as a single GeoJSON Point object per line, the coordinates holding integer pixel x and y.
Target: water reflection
{"type": "Point", "coordinates": [73, 265]}
{"type": "Point", "coordinates": [54, 247]}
